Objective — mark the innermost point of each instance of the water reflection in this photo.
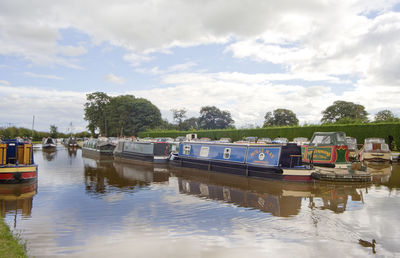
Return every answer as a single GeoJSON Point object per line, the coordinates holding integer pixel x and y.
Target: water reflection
{"type": "Point", "coordinates": [17, 198]}
{"type": "Point", "coordinates": [103, 175]}
{"type": "Point", "coordinates": [71, 152]}
{"type": "Point", "coordinates": [380, 172]}
{"type": "Point", "coordinates": [96, 207]}
{"type": "Point", "coordinates": [278, 198]}
{"type": "Point", "coordinates": [49, 154]}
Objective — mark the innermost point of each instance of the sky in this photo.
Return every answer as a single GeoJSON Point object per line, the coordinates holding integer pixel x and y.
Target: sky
{"type": "Point", "coordinates": [246, 57]}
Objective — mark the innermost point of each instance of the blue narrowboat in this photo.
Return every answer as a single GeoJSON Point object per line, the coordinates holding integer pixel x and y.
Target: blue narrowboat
{"type": "Point", "coordinates": [277, 161]}
{"type": "Point", "coordinates": [16, 162]}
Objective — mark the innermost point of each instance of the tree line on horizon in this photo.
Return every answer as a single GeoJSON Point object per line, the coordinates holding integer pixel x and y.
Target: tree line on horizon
{"type": "Point", "coordinates": [127, 115]}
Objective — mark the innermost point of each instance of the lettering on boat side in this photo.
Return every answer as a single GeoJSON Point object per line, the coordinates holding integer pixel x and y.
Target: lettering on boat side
{"type": "Point", "coordinates": [264, 155]}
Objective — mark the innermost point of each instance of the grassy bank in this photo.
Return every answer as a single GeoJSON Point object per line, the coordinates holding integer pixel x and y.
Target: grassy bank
{"type": "Point", "coordinates": [9, 245]}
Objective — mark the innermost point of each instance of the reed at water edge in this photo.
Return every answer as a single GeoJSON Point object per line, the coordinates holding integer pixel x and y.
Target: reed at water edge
{"type": "Point", "coordinates": [10, 245]}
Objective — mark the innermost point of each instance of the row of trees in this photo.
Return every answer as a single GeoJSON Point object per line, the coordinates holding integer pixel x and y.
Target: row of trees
{"type": "Point", "coordinates": [210, 117]}
{"type": "Point", "coordinates": [127, 115]}
{"type": "Point", "coordinates": [340, 112]}
{"type": "Point", "coordinates": [13, 132]}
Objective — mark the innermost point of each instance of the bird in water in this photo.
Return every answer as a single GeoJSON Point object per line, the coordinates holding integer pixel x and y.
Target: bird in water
{"type": "Point", "coordinates": [368, 244]}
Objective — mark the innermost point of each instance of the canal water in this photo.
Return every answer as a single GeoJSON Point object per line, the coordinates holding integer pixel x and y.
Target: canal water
{"type": "Point", "coordinates": [83, 207]}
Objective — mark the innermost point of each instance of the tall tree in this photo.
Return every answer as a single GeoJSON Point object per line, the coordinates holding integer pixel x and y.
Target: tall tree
{"type": "Point", "coordinates": [127, 115]}
{"type": "Point", "coordinates": [345, 111]}
{"type": "Point", "coordinates": [213, 118]}
{"type": "Point", "coordinates": [179, 115]}
{"type": "Point", "coordinates": [190, 123]}
{"type": "Point", "coordinates": [385, 116]}
{"type": "Point", "coordinates": [53, 131]}
{"type": "Point", "coordinates": [280, 117]}
{"type": "Point", "coordinates": [95, 107]}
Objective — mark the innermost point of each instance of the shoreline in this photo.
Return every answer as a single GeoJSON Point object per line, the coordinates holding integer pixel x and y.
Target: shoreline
{"type": "Point", "coordinates": [10, 245]}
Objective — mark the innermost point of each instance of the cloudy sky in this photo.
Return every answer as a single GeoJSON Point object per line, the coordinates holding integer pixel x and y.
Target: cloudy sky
{"type": "Point", "coordinates": [247, 57]}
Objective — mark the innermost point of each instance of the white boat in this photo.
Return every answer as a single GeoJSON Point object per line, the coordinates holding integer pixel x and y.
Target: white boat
{"type": "Point", "coordinates": [375, 150]}
{"type": "Point", "coordinates": [49, 143]}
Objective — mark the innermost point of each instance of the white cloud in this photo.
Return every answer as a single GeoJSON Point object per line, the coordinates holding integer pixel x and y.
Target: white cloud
{"type": "Point", "coordinates": [352, 45]}
{"type": "Point", "coordinates": [48, 106]}
{"type": "Point", "coordinates": [136, 59]}
{"type": "Point", "coordinates": [114, 79]}
{"type": "Point", "coordinates": [4, 82]}
{"type": "Point", "coordinates": [172, 69]}
{"type": "Point", "coordinates": [45, 76]}
{"type": "Point", "coordinates": [249, 96]}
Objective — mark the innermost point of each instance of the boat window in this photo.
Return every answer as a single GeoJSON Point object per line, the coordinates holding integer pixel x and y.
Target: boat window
{"type": "Point", "coordinates": [227, 153]}
{"type": "Point", "coordinates": [341, 138]}
{"type": "Point", "coordinates": [385, 147]}
{"type": "Point", "coordinates": [186, 149]}
{"type": "Point", "coordinates": [368, 147]}
{"type": "Point", "coordinates": [322, 139]}
{"type": "Point", "coordinates": [204, 151]}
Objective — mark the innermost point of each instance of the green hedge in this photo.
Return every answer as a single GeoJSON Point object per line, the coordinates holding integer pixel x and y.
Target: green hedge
{"type": "Point", "coordinates": [359, 131]}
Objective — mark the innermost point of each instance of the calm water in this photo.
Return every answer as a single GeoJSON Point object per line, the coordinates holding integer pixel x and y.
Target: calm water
{"type": "Point", "coordinates": [81, 207]}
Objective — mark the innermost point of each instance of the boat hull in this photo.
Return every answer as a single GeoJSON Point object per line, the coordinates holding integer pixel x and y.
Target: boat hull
{"type": "Point", "coordinates": [299, 175]}
{"type": "Point", "coordinates": [376, 157]}
{"type": "Point", "coordinates": [96, 153]}
{"type": "Point", "coordinates": [18, 173]}
{"type": "Point", "coordinates": [139, 158]}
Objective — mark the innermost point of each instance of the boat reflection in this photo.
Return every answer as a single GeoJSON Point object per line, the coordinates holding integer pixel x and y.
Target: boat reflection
{"type": "Point", "coordinates": [380, 172]}
{"type": "Point", "coordinates": [281, 199]}
{"type": "Point", "coordinates": [151, 173]}
{"type": "Point", "coordinates": [17, 198]}
{"type": "Point", "coordinates": [49, 154]}
{"type": "Point", "coordinates": [101, 176]}
{"type": "Point", "coordinates": [71, 152]}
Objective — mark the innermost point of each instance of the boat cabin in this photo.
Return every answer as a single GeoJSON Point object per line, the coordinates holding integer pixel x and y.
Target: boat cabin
{"type": "Point", "coordinates": [280, 140]}
{"type": "Point", "coordinates": [16, 161]}
{"type": "Point", "coordinates": [375, 145]}
{"type": "Point", "coordinates": [375, 149]}
{"type": "Point", "coordinates": [15, 152]}
{"type": "Point", "coordinates": [326, 148]}
{"type": "Point", "coordinates": [301, 140]}
{"type": "Point", "coordinates": [352, 143]}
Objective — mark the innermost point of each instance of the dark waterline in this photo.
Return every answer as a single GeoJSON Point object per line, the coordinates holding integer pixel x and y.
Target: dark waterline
{"type": "Point", "coordinates": [83, 207]}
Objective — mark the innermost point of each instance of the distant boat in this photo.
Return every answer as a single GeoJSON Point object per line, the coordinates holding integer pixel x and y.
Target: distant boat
{"type": "Point", "coordinates": [98, 147]}
{"type": "Point", "coordinates": [375, 150]}
{"type": "Point", "coordinates": [16, 162]}
{"type": "Point", "coordinates": [49, 143]}
{"type": "Point", "coordinates": [70, 142]}
{"type": "Point", "coordinates": [147, 151]}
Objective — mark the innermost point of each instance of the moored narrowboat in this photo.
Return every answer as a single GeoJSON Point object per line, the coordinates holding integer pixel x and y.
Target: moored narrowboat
{"type": "Point", "coordinates": [144, 151]}
{"type": "Point", "coordinates": [16, 162]}
{"type": "Point", "coordinates": [375, 150]}
{"type": "Point", "coordinates": [98, 147]}
{"type": "Point", "coordinates": [49, 143]}
{"type": "Point", "coordinates": [326, 149]}
{"type": "Point", "coordinates": [70, 142]}
{"type": "Point", "coordinates": [280, 161]}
